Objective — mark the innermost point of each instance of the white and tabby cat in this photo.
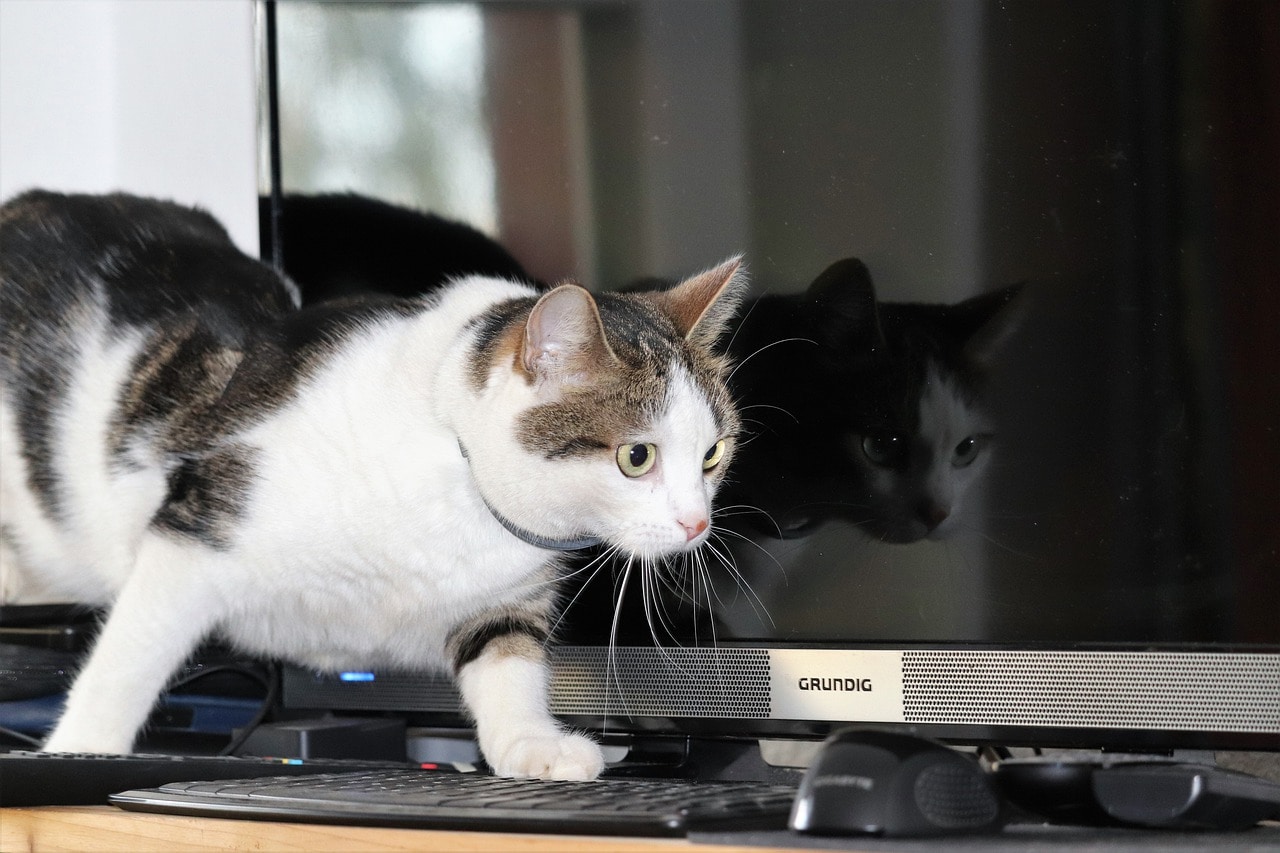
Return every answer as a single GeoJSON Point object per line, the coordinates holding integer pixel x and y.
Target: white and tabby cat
{"type": "Point", "coordinates": [379, 482]}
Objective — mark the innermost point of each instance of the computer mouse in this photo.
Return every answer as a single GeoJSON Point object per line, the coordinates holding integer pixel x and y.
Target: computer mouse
{"type": "Point", "coordinates": [866, 781]}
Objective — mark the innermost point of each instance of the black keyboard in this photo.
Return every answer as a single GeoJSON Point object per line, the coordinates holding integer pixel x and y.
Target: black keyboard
{"type": "Point", "coordinates": [447, 800]}
{"type": "Point", "coordinates": [76, 779]}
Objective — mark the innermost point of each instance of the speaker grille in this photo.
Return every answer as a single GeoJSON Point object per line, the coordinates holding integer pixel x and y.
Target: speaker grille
{"type": "Point", "coordinates": [663, 682]}
{"type": "Point", "coordinates": [660, 682]}
{"type": "Point", "coordinates": [1127, 690]}
{"type": "Point", "coordinates": [391, 691]}
{"type": "Point", "coordinates": [1188, 691]}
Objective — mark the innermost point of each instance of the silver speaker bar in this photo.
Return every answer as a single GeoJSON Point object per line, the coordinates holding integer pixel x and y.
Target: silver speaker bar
{"type": "Point", "coordinates": [1189, 691]}
{"type": "Point", "coordinates": [1193, 691]}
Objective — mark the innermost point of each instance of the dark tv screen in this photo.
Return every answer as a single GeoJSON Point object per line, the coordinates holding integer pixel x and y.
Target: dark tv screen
{"type": "Point", "coordinates": [1087, 457]}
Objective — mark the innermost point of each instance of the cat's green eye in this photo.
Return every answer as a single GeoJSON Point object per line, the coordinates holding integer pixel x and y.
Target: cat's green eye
{"type": "Point", "coordinates": [883, 450]}
{"type": "Point", "coordinates": [635, 460]}
{"type": "Point", "coordinates": [965, 452]}
{"type": "Point", "coordinates": [714, 455]}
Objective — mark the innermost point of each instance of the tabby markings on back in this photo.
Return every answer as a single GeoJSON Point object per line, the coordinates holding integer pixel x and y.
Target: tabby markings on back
{"type": "Point", "coordinates": [364, 482]}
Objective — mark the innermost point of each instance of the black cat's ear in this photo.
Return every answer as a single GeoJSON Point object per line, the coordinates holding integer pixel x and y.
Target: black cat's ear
{"type": "Point", "coordinates": [988, 320]}
{"type": "Point", "coordinates": [845, 300]}
{"type": "Point", "coordinates": [703, 306]}
{"type": "Point", "coordinates": [564, 341]}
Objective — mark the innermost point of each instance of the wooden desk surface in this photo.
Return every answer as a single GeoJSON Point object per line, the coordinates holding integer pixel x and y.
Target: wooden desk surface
{"type": "Point", "coordinates": [105, 828]}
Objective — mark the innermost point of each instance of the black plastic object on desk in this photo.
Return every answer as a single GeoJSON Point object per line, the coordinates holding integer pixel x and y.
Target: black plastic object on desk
{"type": "Point", "coordinates": [29, 672]}
{"type": "Point", "coordinates": [874, 782]}
{"type": "Point", "coordinates": [474, 801]}
{"type": "Point", "coordinates": [1148, 793]}
{"type": "Point", "coordinates": [1185, 796]}
{"type": "Point", "coordinates": [73, 779]}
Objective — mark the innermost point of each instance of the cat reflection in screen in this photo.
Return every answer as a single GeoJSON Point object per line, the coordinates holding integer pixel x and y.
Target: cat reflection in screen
{"type": "Point", "coordinates": [862, 411]}
{"type": "Point", "coordinates": [365, 482]}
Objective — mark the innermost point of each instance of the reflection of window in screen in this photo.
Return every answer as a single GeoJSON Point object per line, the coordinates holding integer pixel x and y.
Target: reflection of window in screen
{"type": "Point", "coordinates": [387, 105]}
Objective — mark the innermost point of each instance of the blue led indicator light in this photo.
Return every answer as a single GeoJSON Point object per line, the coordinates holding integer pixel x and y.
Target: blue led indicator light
{"type": "Point", "coordinates": [355, 676]}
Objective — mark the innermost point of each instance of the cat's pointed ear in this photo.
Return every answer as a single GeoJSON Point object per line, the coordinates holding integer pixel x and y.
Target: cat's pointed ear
{"type": "Point", "coordinates": [703, 306]}
{"type": "Point", "coordinates": [990, 319]}
{"type": "Point", "coordinates": [846, 300]}
{"type": "Point", "coordinates": [564, 341]}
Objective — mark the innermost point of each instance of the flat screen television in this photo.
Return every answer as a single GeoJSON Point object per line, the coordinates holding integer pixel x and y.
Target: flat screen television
{"type": "Point", "coordinates": [1067, 537]}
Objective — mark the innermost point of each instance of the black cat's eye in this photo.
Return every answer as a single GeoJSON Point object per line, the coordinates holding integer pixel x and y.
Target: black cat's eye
{"type": "Point", "coordinates": [713, 456]}
{"type": "Point", "coordinates": [966, 451]}
{"type": "Point", "coordinates": [885, 449]}
{"type": "Point", "coordinates": [635, 460]}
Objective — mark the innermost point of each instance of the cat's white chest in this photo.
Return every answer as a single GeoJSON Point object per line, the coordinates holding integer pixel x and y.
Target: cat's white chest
{"type": "Point", "coordinates": [365, 538]}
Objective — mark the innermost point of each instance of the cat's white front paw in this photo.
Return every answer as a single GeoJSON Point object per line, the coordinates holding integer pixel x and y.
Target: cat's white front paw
{"type": "Point", "coordinates": [65, 740]}
{"type": "Point", "coordinates": [561, 756]}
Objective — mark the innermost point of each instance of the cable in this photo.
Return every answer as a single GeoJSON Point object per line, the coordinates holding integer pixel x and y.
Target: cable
{"type": "Point", "coordinates": [268, 702]}
{"type": "Point", "coordinates": [205, 671]}
{"type": "Point", "coordinates": [269, 682]}
{"type": "Point", "coordinates": [20, 737]}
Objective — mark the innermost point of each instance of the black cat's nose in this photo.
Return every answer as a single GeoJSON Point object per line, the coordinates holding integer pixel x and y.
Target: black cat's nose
{"type": "Point", "coordinates": [932, 514]}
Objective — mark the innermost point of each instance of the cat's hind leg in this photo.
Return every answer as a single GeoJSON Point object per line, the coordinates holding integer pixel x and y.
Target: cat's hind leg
{"type": "Point", "coordinates": [502, 674]}
{"type": "Point", "coordinates": [165, 608]}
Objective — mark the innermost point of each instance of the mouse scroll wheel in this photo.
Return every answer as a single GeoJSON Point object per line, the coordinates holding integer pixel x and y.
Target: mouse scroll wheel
{"type": "Point", "coordinates": [955, 797]}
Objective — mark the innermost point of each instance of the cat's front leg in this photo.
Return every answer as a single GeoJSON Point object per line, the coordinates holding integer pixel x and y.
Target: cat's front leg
{"type": "Point", "coordinates": [162, 612]}
{"type": "Point", "coordinates": [505, 687]}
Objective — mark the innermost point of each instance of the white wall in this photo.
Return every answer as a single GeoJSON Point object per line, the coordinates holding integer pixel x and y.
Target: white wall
{"type": "Point", "coordinates": [155, 97]}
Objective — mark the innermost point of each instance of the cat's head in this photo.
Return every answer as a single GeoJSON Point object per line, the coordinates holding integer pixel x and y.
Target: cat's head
{"type": "Point", "coordinates": [606, 415]}
{"type": "Point", "coordinates": [870, 412]}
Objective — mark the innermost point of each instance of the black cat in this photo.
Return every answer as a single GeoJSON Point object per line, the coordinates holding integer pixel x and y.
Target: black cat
{"type": "Point", "coordinates": [343, 245]}
{"type": "Point", "coordinates": [865, 411]}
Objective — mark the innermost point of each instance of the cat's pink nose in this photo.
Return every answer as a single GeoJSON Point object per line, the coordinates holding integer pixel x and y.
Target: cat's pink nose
{"type": "Point", "coordinates": [693, 527]}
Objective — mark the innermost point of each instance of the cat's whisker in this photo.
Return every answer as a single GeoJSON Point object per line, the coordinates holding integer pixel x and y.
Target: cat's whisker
{"type": "Point", "coordinates": [693, 564]}
{"type": "Point", "coordinates": [715, 642]}
{"type": "Point", "coordinates": [646, 595]}
{"type": "Point", "coordinates": [753, 598]}
{"type": "Point", "coordinates": [665, 618]}
{"type": "Point", "coordinates": [652, 607]}
{"type": "Point", "coordinates": [611, 659]}
{"type": "Point", "coordinates": [740, 364]}
{"type": "Point", "coordinates": [767, 406]}
{"type": "Point", "coordinates": [688, 581]}
{"type": "Point", "coordinates": [987, 537]}
{"type": "Point", "coordinates": [704, 574]}
{"type": "Point", "coordinates": [596, 565]}
{"type": "Point", "coordinates": [757, 546]}
{"type": "Point", "coordinates": [700, 568]}
{"type": "Point", "coordinates": [747, 436]}
{"type": "Point", "coordinates": [735, 509]}
{"type": "Point", "coordinates": [712, 593]}
{"type": "Point", "coordinates": [747, 509]}
{"type": "Point", "coordinates": [742, 321]}
{"type": "Point", "coordinates": [721, 681]}
{"type": "Point", "coordinates": [649, 609]}
{"type": "Point", "coordinates": [664, 579]}
{"type": "Point", "coordinates": [725, 559]}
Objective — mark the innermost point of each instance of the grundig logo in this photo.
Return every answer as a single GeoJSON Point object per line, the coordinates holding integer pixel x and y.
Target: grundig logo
{"type": "Point", "coordinates": [848, 685]}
